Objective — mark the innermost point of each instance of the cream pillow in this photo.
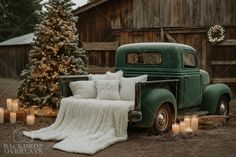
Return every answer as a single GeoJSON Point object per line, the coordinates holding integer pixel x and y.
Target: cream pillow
{"type": "Point", "coordinates": [107, 89]}
{"type": "Point", "coordinates": [127, 86]}
{"type": "Point", "coordinates": [114, 76]}
{"type": "Point", "coordinates": [95, 77]}
{"type": "Point", "coordinates": [83, 89]}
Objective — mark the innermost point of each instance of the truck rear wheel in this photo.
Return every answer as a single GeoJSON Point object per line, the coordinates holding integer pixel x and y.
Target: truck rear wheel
{"type": "Point", "coordinates": [223, 106]}
{"type": "Point", "coordinates": [163, 118]}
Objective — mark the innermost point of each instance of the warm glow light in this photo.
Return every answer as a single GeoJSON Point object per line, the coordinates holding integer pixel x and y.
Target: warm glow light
{"type": "Point", "coordinates": [1, 115]}
{"type": "Point", "coordinates": [175, 129]}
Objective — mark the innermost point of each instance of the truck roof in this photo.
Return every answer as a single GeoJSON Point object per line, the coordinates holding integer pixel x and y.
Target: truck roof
{"type": "Point", "coordinates": [155, 45]}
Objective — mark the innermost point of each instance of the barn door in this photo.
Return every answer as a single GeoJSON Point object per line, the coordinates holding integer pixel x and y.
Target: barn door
{"type": "Point", "coordinates": [223, 62]}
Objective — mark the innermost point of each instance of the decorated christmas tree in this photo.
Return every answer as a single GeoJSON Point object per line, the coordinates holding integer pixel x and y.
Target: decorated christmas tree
{"type": "Point", "coordinates": [55, 52]}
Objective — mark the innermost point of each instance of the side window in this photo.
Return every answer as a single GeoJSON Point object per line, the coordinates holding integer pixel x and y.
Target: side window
{"type": "Point", "coordinates": [189, 60]}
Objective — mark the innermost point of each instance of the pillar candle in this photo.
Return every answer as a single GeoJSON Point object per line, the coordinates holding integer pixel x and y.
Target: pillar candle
{"type": "Point", "coordinates": [189, 130]}
{"type": "Point", "coordinates": [187, 121]}
{"type": "Point", "coordinates": [1, 115]}
{"type": "Point", "coordinates": [194, 123]}
{"type": "Point", "coordinates": [182, 127]}
{"type": "Point", "coordinates": [30, 119]}
{"type": "Point", "coordinates": [15, 105]}
{"type": "Point", "coordinates": [175, 129]}
{"type": "Point", "coordinates": [9, 104]}
{"type": "Point", "coordinates": [12, 117]}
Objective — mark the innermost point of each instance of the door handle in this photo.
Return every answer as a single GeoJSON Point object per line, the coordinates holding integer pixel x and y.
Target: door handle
{"type": "Point", "coordinates": [186, 77]}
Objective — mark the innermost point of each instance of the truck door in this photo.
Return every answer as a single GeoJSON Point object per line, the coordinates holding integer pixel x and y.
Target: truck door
{"type": "Point", "coordinates": [192, 80]}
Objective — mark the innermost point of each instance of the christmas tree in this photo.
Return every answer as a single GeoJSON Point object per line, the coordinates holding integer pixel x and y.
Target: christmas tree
{"type": "Point", "coordinates": [55, 52]}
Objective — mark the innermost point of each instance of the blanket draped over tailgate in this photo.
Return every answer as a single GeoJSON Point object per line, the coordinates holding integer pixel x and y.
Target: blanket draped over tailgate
{"type": "Point", "coordinates": [87, 125]}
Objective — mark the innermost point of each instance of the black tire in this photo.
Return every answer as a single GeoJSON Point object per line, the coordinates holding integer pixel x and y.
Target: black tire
{"type": "Point", "coordinates": [222, 106]}
{"type": "Point", "coordinates": [163, 120]}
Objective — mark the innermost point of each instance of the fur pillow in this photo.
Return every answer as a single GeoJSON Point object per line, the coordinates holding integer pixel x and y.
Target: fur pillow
{"type": "Point", "coordinates": [114, 76]}
{"type": "Point", "coordinates": [83, 89]}
{"type": "Point", "coordinates": [107, 89]}
{"type": "Point", "coordinates": [95, 77]}
{"type": "Point", "coordinates": [127, 86]}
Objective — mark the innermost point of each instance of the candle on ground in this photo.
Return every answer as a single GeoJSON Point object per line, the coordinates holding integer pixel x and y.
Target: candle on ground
{"type": "Point", "coordinates": [194, 123]}
{"type": "Point", "coordinates": [30, 119]}
{"type": "Point", "coordinates": [9, 104]}
{"type": "Point", "coordinates": [182, 127]}
{"type": "Point", "coordinates": [1, 115]}
{"type": "Point", "coordinates": [175, 129]}
{"type": "Point", "coordinates": [189, 130]}
{"type": "Point", "coordinates": [187, 121]}
{"type": "Point", "coordinates": [12, 117]}
{"type": "Point", "coordinates": [15, 105]}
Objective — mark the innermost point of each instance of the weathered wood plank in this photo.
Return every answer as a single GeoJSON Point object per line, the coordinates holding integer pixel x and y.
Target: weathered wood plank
{"type": "Point", "coordinates": [154, 14]}
{"type": "Point", "coordinates": [228, 42]}
{"type": "Point", "coordinates": [138, 14]}
{"type": "Point", "coordinates": [204, 53]}
{"type": "Point", "coordinates": [223, 62]}
{"type": "Point", "coordinates": [96, 46]}
{"type": "Point", "coordinates": [233, 14]}
{"type": "Point", "coordinates": [211, 121]}
{"type": "Point", "coordinates": [224, 80]}
{"type": "Point", "coordinates": [216, 12]}
{"type": "Point", "coordinates": [170, 38]}
{"type": "Point", "coordinates": [162, 34]}
{"type": "Point", "coordinates": [100, 70]}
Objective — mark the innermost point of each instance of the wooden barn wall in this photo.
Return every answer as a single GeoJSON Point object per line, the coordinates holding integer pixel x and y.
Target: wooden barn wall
{"type": "Point", "coordinates": [97, 24]}
{"type": "Point", "coordinates": [128, 21]}
{"type": "Point", "coordinates": [12, 60]}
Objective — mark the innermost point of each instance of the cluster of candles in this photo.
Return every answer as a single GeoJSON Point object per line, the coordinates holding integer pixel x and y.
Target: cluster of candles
{"type": "Point", "coordinates": [13, 108]}
{"type": "Point", "coordinates": [189, 125]}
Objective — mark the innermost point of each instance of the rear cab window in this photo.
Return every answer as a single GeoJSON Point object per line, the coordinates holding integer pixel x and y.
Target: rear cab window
{"type": "Point", "coordinates": [150, 58]}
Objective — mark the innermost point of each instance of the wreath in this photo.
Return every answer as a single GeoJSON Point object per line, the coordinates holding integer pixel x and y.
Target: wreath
{"type": "Point", "coordinates": [216, 34]}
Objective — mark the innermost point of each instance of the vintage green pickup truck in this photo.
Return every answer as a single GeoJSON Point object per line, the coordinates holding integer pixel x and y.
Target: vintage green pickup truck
{"type": "Point", "coordinates": [175, 86]}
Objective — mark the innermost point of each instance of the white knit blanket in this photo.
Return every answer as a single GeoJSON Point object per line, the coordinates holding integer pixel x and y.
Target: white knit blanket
{"type": "Point", "coordinates": [87, 125]}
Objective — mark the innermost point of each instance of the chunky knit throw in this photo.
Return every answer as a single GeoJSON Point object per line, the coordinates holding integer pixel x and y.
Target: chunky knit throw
{"type": "Point", "coordinates": [87, 125]}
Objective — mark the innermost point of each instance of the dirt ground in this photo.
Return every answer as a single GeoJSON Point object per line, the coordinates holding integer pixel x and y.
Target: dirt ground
{"type": "Point", "coordinates": [216, 142]}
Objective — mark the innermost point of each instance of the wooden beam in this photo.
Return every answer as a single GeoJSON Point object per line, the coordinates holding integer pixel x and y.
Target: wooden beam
{"type": "Point", "coordinates": [100, 70]}
{"type": "Point", "coordinates": [100, 46]}
{"type": "Point", "coordinates": [225, 80]}
{"type": "Point", "coordinates": [170, 38]}
{"type": "Point", "coordinates": [204, 54]}
{"type": "Point", "coordinates": [223, 62]}
{"type": "Point", "coordinates": [185, 31]}
{"type": "Point", "coordinates": [162, 34]}
{"type": "Point", "coordinates": [228, 42]}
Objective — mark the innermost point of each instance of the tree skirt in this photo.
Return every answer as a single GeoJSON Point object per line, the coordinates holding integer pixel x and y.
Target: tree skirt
{"type": "Point", "coordinates": [87, 125]}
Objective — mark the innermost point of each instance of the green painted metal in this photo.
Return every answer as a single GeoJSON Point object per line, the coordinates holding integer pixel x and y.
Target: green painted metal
{"type": "Point", "coordinates": [193, 89]}
{"type": "Point", "coordinates": [211, 96]}
{"type": "Point", "coordinates": [151, 101]}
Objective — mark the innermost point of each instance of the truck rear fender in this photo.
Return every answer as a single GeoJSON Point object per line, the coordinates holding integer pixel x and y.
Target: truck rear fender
{"type": "Point", "coordinates": [151, 102]}
{"type": "Point", "coordinates": [211, 96]}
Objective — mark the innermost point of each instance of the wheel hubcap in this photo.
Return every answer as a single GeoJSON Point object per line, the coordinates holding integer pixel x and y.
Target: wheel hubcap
{"type": "Point", "coordinates": [223, 108]}
{"type": "Point", "coordinates": [162, 119]}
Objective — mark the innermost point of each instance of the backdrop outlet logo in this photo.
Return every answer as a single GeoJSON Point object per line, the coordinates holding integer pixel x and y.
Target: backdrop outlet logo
{"type": "Point", "coordinates": [21, 144]}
